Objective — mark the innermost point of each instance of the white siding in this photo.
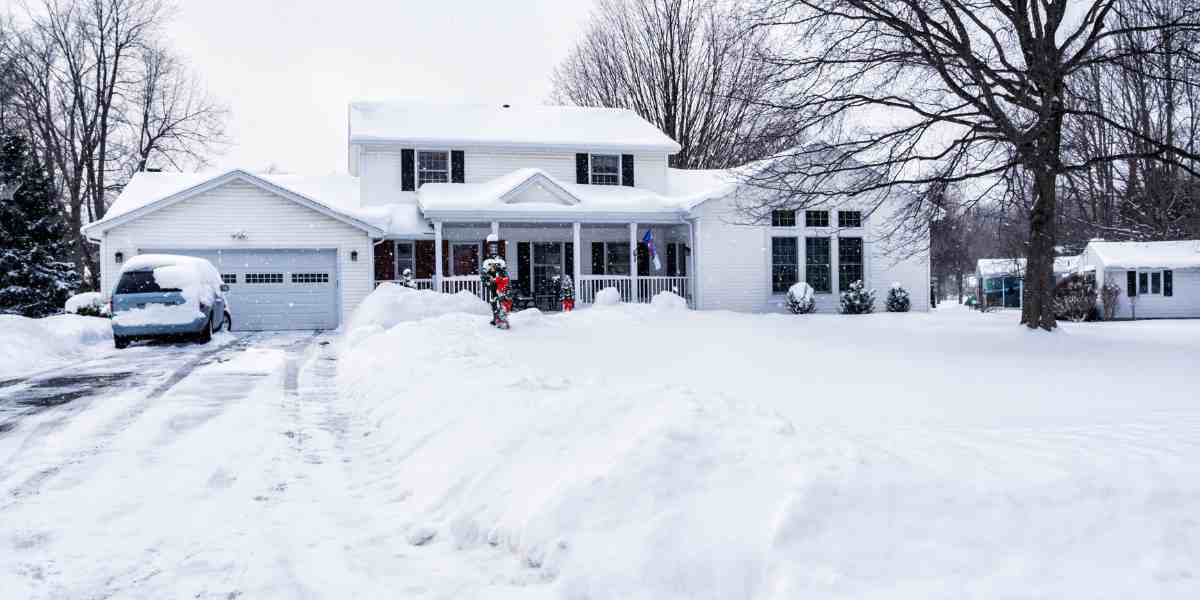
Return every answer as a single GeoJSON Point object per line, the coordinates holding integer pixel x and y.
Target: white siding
{"type": "Point", "coordinates": [734, 262]}
{"type": "Point", "coordinates": [207, 221]}
{"type": "Point", "coordinates": [1184, 303]}
{"type": "Point", "coordinates": [379, 168]}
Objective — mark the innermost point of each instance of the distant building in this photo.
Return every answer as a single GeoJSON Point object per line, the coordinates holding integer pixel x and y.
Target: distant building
{"type": "Point", "coordinates": [1159, 280]}
{"type": "Point", "coordinates": [1001, 281]}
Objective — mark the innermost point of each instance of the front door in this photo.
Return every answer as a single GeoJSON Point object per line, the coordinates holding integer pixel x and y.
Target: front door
{"type": "Point", "coordinates": [548, 262]}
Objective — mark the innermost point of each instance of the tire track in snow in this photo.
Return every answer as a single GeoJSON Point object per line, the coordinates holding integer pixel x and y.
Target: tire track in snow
{"type": "Point", "coordinates": [32, 485]}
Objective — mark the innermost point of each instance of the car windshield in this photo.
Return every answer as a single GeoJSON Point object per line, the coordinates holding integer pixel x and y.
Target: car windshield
{"type": "Point", "coordinates": [140, 282]}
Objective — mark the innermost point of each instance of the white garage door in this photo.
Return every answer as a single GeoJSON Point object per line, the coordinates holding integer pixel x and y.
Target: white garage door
{"type": "Point", "coordinates": [277, 289]}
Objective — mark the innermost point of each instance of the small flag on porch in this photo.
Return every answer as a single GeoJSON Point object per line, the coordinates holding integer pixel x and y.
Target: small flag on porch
{"type": "Point", "coordinates": [648, 239]}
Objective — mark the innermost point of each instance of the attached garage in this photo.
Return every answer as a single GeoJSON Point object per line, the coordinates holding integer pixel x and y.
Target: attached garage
{"type": "Point", "coordinates": [293, 250]}
{"type": "Point", "coordinates": [276, 289]}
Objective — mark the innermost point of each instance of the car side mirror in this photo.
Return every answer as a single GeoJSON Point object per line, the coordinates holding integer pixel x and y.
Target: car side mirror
{"type": "Point", "coordinates": [224, 287]}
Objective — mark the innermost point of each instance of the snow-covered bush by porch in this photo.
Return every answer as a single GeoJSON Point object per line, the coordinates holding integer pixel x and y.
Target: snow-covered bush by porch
{"type": "Point", "coordinates": [858, 300]}
{"type": "Point", "coordinates": [668, 301]}
{"type": "Point", "coordinates": [799, 300]}
{"type": "Point", "coordinates": [609, 296]}
{"type": "Point", "coordinates": [897, 299]}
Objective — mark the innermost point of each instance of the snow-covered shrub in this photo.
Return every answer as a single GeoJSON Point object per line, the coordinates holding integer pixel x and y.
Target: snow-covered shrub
{"type": "Point", "coordinates": [668, 301]}
{"type": "Point", "coordinates": [609, 296]}
{"type": "Point", "coordinates": [897, 299]}
{"type": "Point", "coordinates": [87, 304]}
{"type": "Point", "coordinates": [406, 279]}
{"type": "Point", "coordinates": [799, 299]}
{"type": "Point", "coordinates": [1075, 298]}
{"type": "Point", "coordinates": [391, 304]}
{"type": "Point", "coordinates": [858, 300]}
{"type": "Point", "coordinates": [1110, 297]}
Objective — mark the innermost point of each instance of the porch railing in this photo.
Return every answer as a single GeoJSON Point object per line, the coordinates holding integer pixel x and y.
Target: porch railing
{"type": "Point", "coordinates": [422, 284]}
{"type": "Point", "coordinates": [470, 283]}
{"type": "Point", "coordinates": [646, 288]}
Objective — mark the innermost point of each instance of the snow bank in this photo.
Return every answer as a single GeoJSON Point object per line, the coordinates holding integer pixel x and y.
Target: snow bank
{"type": "Point", "coordinates": [391, 304]}
{"type": "Point", "coordinates": [668, 301]}
{"type": "Point", "coordinates": [763, 456]}
{"type": "Point", "coordinates": [29, 345]}
{"type": "Point", "coordinates": [93, 300]}
{"type": "Point", "coordinates": [609, 296]}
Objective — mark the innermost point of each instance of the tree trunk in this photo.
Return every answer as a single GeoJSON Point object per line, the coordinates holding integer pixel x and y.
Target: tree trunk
{"type": "Point", "coordinates": [1037, 303]}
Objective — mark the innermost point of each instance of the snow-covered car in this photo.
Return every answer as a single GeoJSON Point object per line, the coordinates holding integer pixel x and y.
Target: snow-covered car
{"type": "Point", "coordinates": [163, 295]}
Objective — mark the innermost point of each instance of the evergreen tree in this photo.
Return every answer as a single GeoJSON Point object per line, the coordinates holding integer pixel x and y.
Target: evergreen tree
{"type": "Point", "coordinates": [35, 277]}
{"type": "Point", "coordinates": [858, 300]}
{"type": "Point", "coordinates": [897, 299]}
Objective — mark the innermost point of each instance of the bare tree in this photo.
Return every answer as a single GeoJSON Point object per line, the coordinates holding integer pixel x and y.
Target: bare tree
{"type": "Point", "coordinates": [170, 117]}
{"type": "Point", "coordinates": [686, 67]}
{"type": "Point", "coordinates": [970, 92]}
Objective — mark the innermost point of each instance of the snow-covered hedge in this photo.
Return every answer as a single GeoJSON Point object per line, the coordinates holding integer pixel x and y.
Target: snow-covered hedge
{"type": "Point", "coordinates": [800, 299]}
{"type": "Point", "coordinates": [897, 299]}
{"type": "Point", "coordinates": [668, 301]}
{"type": "Point", "coordinates": [609, 296]}
{"type": "Point", "coordinates": [37, 344]}
{"type": "Point", "coordinates": [858, 300]}
{"type": "Point", "coordinates": [88, 304]}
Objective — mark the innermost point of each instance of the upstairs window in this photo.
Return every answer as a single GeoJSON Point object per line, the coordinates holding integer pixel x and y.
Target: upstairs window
{"type": "Point", "coordinates": [433, 166]}
{"type": "Point", "coordinates": [606, 169]}
{"type": "Point", "coordinates": [849, 218]}
{"type": "Point", "coordinates": [816, 218]}
{"type": "Point", "coordinates": [783, 218]}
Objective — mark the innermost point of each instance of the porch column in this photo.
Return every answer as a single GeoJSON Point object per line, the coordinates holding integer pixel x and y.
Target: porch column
{"type": "Point", "coordinates": [689, 262]}
{"type": "Point", "coordinates": [496, 228]}
{"type": "Point", "coordinates": [437, 256]}
{"type": "Point", "coordinates": [575, 254]}
{"type": "Point", "coordinates": [633, 289]}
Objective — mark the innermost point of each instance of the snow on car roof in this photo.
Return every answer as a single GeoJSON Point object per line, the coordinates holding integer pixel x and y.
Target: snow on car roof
{"type": "Point", "coordinates": [147, 262]}
{"type": "Point", "coordinates": [556, 196]}
{"type": "Point", "coordinates": [504, 125]}
{"type": "Point", "coordinates": [1162, 255]}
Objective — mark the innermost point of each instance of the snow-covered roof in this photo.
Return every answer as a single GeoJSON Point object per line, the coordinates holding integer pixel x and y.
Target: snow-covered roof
{"type": "Point", "coordinates": [533, 192]}
{"type": "Point", "coordinates": [1148, 255]}
{"type": "Point", "coordinates": [693, 186]}
{"type": "Point", "coordinates": [998, 267]}
{"type": "Point", "coordinates": [337, 195]}
{"type": "Point", "coordinates": [479, 124]}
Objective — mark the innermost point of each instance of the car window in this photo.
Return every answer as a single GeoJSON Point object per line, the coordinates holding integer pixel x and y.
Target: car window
{"type": "Point", "coordinates": [140, 282]}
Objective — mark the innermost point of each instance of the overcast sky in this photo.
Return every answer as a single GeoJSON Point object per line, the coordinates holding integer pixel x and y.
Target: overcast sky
{"type": "Point", "coordinates": [287, 68]}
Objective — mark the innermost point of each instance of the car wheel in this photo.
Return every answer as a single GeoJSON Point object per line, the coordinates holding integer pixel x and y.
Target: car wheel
{"type": "Point", "coordinates": [206, 333]}
{"type": "Point", "coordinates": [228, 321]}
{"type": "Point", "coordinates": [120, 342]}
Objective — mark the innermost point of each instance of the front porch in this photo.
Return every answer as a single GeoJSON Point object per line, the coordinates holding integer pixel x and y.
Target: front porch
{"type": "Point", "coordinates": [595, 255]}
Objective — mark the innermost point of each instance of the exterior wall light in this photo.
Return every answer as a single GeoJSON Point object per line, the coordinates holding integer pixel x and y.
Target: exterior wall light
{"type": "Point", "coordinates": [119, 257]}
{"type": "Point", "coordinates": [354, 256]}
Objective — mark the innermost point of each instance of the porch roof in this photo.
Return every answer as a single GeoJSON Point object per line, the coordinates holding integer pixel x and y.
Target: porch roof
{"type": "Point", "coordinates": [534, 195]}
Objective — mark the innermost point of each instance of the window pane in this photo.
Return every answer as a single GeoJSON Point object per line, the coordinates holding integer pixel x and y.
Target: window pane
{"type": "Point", "coordinates": [850, 262]}
{"type": "Point", "coordinates": [1143, 283]}
{"type": "Point", "coordinates": [816, 218]}
{"type": "Point", "coordinates": [849, 218]}
{"type": "Point", "coordinates": [816, 251]}
{"type": "Point", "coordinates": [465, 259]}
{"type": "Point", "coordinates": [433, 167]}
{"type": "Point", "coordinates": [784, 263]}
{"type": "Point", "coordinates": [1156, 283]}
{"type": "Point", "coordinates": [606, 169]}
{"type": "Point", "coordinates": [617, 258]}
{"type": "Point", "coordinates": [783, 218]}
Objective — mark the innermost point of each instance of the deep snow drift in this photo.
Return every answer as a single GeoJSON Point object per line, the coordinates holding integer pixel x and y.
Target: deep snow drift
{"type": "Point", "coordinates": [654, 452]}
{"type": "Point", "coordinates": [28, 345]}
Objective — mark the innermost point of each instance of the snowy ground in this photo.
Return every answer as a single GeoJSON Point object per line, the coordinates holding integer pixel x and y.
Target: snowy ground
{"type": "Point", "coordinates": [28, 345]}
{"type": "Point", "coordinates": [629, 452]}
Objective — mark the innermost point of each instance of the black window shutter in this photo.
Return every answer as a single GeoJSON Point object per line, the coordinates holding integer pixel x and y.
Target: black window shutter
{"type": "Point", "coordinates": [627, 170]}
{"type": "Point", "coordinates": [597, 258]}
{"type": "Point", "coordinates": [672, 258]}
{"type": "Point", "coordinates": [581, 168]}
{"type": "Point", "coordinates": [407, 170]}
{"type": "Point", "coordinates": [524, 268]}
{"type": "Point", "coordinates": [1131, 283]}
{"type": "Point", "coordinates": [569, 263]}
{"type": "Point", "coordinates": [457, 172]}
{"type": "Point", "coordinates": [1168, 283]}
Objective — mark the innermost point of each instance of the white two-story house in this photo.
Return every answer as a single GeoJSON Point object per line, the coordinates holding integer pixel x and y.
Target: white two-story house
{"type": "Point", "coordinates": [575, 191]}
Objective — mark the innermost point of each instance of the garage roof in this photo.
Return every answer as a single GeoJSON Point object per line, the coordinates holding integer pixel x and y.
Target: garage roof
{"type": "Point", "coordinates": [336, 196]}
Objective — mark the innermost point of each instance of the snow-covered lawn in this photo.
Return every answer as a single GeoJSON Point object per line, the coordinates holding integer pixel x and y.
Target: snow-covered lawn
{"type": "Point", "coordinates": [28, 345]}
{"type": "Point", "coordinates": [624, 452]}
{"type": "Point", "coordinates": [640, 452]}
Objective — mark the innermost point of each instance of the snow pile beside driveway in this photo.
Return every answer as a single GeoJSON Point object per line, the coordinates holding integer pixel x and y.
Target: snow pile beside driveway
{"type": "Point", "coordinates": [28, 345]}
{"type": "Point", "coordinates": [391, 304]}
{"type": "Point", "coordinates": [641, 453]}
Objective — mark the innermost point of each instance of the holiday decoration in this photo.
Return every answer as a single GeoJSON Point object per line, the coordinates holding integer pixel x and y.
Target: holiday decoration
{"type": "Point", "coordinates": [494, 274]}
{"type": "Point", "coordinates": [566, 292]}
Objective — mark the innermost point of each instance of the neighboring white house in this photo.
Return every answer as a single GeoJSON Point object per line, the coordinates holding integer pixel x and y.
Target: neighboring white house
{"type": "Point", "coordinates": [568, 190]}
{"type": "Point", "coordinates": [1159, 280]}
